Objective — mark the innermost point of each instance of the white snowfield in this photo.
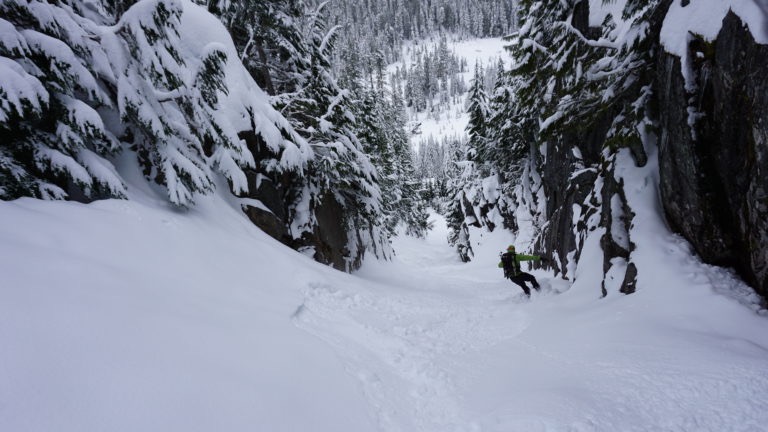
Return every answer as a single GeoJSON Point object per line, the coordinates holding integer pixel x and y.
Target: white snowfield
{"type": "Point", "coordinates": [128, 316]}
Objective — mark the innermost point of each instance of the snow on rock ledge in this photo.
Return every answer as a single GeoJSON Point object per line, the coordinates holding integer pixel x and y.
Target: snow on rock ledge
{"type": "Point", "coordinates": [704, 18]}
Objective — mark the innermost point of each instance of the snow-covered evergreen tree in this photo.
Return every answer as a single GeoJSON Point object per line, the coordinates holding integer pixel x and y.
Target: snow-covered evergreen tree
{"type": "Point", "coordinates": [322, 113]}
{"type": "Point", "coordinates": [269, 39]}
{"type": "Point", "coordinates": [95, 84]}
{"type": "Point", "coordinates": [569, 74]}
{"type": "Point", "coordinates": [410, 206]}
{"type": "Point", "coordinates": [84, 81]}
{"type": "Point", "coordinates": [55, 144]}
{"type": "Point", "coordinates": [167, 101]}
{"type": "Point", "coordinates": [382, 132]}
{"type": "Point", "coordinates": [459, 213]}
{"type": "Point", "coordinates": [504, 149]}
{"type": "Point", "coordinates": [478, 110]}
{"type": "Point", "coordinates": [475, 190]}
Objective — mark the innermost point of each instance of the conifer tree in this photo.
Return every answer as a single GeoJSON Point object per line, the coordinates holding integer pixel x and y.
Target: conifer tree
{"type": "Point", "coordinates": [505, 148]}
{"type": "Point", "coordinates": [409, 207]}
{"type": "Point", "coordinates": [54, 141]}
{"type": "Point", "coordinates": [384, 139]}
{"type": "Point", "coordinates": [168, 111]}
{"type": "Point", "coordinates": [322, 112]}
{"type": "Point", "coordinates": [164, 100]}
{"type": "Point", "coordinates": [566, 77]}
{"type": "Point", "coordinates": [478, 111]}
{"type": "Point", "coordinates": [459, 214]}
{"type": "Point", "coordinates": [268, 38]}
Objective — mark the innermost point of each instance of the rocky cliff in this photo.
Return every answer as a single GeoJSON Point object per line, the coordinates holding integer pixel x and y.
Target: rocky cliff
{"type": "Point", "coordinates": [328, 242]}
{"type": "Point", "coordinates": [714, 150]}
{"type": "Point", "coordinates": [712, 140]}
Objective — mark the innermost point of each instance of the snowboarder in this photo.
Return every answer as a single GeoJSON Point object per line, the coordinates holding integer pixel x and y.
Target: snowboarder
{"type": "Point", "coordinates": [510, 262]}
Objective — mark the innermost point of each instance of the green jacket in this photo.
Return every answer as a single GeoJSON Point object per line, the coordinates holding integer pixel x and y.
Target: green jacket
{"type": "Point", "coordinates": [522, 257]}
{"type": "Point", "coordinates": [516, 270]}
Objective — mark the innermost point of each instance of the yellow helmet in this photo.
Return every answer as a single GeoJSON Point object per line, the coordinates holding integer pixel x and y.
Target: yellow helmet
{"type": "Point", "coordinates": [510, 248]}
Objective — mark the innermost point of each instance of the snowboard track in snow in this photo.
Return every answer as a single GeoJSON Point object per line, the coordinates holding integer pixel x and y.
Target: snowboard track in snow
{"type": "Point", "coordinates": [399, 339]}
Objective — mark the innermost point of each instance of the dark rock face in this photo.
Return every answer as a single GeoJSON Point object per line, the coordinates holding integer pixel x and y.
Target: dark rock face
{"type": "Point", "coordinates": [271, 192]}
{"type": "Point", "coordinates": [569, 174]}
{"type": "Point", "coordinates": [714, 177]}
{"type": "Point", "coordinates": [329, 237]}
{"type": "Point", "coordinates": [713, 163]}
{"type": "Point", "coordinates": [616, 217]}
{"type": "Point", "coordinates": [576, 206]}
{"type": "Point", "coordinates": [563, 192]}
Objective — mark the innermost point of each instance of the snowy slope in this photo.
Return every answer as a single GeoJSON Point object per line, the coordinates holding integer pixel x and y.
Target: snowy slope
{"type": "Point", "coordinates": [122, 316]}
{"type": "Point", "coordinates": [479, 357]}
{"type": "Point", "coordinates": [126, 315]}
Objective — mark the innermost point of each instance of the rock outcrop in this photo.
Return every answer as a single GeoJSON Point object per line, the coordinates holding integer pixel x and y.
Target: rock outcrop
{"type": "Point", "coordinates": [327, 243]}
{"type": "Point", "coordinates": [583, 193]}
{"type": "Point", "coordinates": [714, 150]}
{"type": "Point", "coordinates": [713, 164]}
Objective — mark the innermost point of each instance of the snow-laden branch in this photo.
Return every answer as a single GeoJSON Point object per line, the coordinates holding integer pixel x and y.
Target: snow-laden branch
{"type": "Point", "coordinates": [169, 95]}
{"type": "Point", "coordinates": [328, 37]}
{"type": "Point", "coordinates": [600, 43]}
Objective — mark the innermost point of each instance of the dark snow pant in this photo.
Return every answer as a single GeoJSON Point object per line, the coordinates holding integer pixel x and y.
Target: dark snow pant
{"type": "Point", "coordinates": [524, 277]}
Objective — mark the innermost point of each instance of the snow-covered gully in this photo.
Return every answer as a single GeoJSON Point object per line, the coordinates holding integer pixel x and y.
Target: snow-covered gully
{"type": "Point", "coordinates": [405, 343]}
{"type": "Point", "coordinates": [438, 345]}
{"type": "Point", "coordinates": [222, 328]}
{"type": "Point", "coordinates": [181, 182]}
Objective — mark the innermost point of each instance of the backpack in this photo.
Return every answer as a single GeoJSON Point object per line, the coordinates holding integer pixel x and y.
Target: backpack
{"type": "Point", "coordinates": [510, 264]}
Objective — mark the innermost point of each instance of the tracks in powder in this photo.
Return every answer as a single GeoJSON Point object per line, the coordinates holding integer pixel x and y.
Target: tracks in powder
{"type": "Point", "coordinates": [406, 349]}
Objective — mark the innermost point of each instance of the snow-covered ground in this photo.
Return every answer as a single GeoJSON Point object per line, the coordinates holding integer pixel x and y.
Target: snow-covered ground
{"type": "Point", "coordinates": [128, 316]}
